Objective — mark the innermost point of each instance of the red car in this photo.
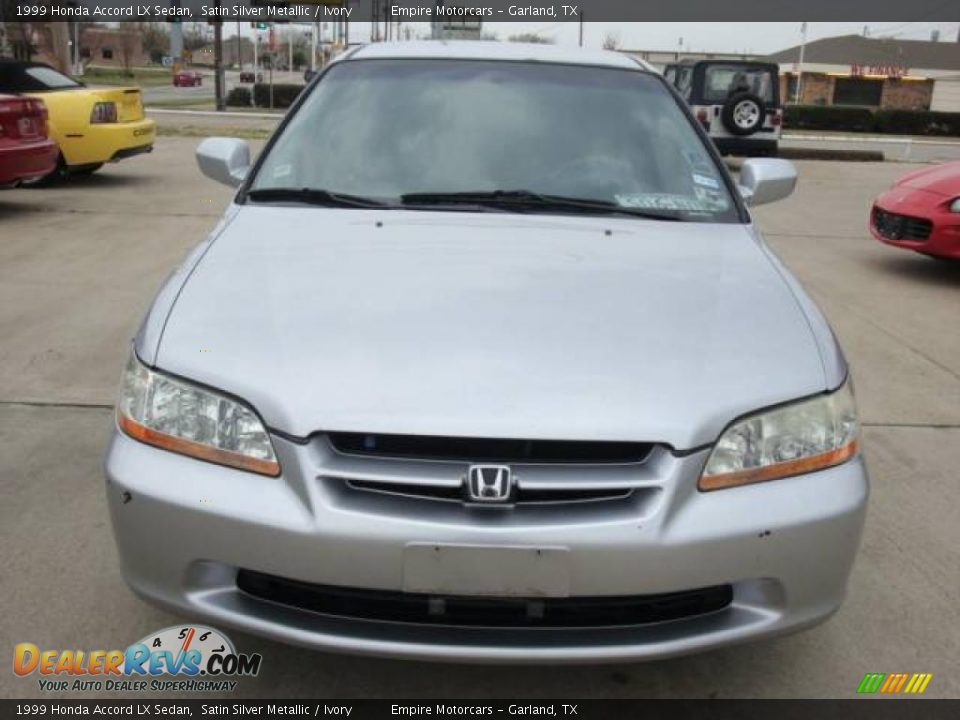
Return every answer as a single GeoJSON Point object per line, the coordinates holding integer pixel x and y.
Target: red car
{"type": "Point", "coordinates": [921, 212]}
{"type": "Point", "coordinates": [26, 151]}
{"type": "Point", "coordinates": [187, 78]}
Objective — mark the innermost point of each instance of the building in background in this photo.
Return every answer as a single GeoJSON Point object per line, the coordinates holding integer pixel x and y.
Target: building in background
{"type": "Point", "coordinates": [453, 28]}
{"type": "Point", "coordinates": [873, 72]}
{"type": "Point", "coordinates": [99, 45]}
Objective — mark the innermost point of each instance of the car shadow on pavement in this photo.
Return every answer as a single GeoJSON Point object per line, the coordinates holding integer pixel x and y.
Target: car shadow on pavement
{"type": "Point", "coordinates": [103, 179]}
{"type": "Point", "coordinates": [915, 266]}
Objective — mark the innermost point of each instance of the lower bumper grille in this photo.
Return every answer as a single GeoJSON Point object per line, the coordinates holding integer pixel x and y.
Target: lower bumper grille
{"type": "Point", "coordinates": [469, 611]}
{"type": "Point", "coordinates": [901, 227]}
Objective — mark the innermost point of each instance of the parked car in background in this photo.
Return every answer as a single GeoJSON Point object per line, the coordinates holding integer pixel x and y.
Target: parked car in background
{"type": "Point", "coordinates": [187, 78]}
{"type": "Point", "coordinates": [247, 76]}
{"type": "Point", "coordinates": [737, 102]}
{"type": "Point", "coordinates": [90, 125]}
{"type": "Point", "coordinates": [472, 383]}
{"type": "Point", "coordinates": [921, 212]}
{"type": "Point", "coordinates": [26, 150]}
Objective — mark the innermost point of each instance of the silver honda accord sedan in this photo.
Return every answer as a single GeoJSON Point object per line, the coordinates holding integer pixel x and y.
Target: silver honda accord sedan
{"type": "Point", "coordinates": [487, 361]}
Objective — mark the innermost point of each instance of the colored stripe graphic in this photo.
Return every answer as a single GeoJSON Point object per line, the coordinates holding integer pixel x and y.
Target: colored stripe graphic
{"type": "Point", "coordinates": [894, 683]}
{"type": "Point", "coordinates": [918, 683]}
{"type": "Point", "coordinates": [871, 682]}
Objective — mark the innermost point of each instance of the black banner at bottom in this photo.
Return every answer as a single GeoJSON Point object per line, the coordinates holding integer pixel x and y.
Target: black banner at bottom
{"type": "Point", "coordinates": [859, 709]}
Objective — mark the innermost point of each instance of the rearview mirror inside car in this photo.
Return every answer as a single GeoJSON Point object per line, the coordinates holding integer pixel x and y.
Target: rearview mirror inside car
{"type": "Point", "coordinates": [766, 180]}
{"type": "Point", "coordinates": [225, 160]}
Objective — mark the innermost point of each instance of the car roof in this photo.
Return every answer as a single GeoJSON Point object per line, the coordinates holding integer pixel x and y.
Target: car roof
{"type": "Point", "coordinates": [493, 50]}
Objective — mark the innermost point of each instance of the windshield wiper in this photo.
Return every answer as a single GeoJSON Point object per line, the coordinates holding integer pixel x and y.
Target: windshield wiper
{"type": "Point", "coordinates": [529, 200]}
{"type": "Point", "coordinates": [314, 196]}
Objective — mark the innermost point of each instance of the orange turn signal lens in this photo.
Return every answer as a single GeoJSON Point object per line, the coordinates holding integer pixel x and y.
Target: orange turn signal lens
{"type": "Point", "coordinates": [781, 470]}
{"type": "Point", "coordinates": [194, 449]}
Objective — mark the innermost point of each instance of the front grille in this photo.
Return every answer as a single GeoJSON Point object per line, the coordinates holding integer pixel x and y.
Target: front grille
{"type": "Point", "coordinates": [521, 495]}
{"type": "Point", "coordinates": [470, 611]}
{"type": "Point", "coordinates": [475, 450]}
{"type": "Point", "coordinates": [900, 227]}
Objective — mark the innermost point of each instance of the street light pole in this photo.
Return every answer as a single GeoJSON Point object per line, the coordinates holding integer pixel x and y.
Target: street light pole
{"type": "Point", "coordinates": [803, 46]}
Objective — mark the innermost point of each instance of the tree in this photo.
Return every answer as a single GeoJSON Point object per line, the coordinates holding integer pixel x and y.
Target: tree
{"type": "Point", "coordinates": [129, 43]}
{"type": "Point", "coordinates": [156, 40]}
{"type": "Point", "coordinates": [530, 38]}
{"type": "Point", "coordinates": [611, 42]}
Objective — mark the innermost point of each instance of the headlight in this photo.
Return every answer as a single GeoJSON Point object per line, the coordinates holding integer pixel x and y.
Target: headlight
{"type": "Point", "coordinates": [955, 206]}
{"type": "Point", "coordinates": [184, 418]}
{"type": "Point", "coordinates": [789, 440]}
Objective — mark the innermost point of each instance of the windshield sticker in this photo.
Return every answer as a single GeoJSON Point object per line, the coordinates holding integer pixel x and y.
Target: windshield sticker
{"type": "Point", "coordinates": [665, 201]}
{"type": "Point", "coordinates": [282, 170]}
{"type": "Point", "coordinates": [706, 181]}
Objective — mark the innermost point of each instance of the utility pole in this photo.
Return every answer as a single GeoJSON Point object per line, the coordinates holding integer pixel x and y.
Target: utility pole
{"type": "Point", "coordinates": [218, 78]}
{"type": "Point", "coordinates": [239, 50]}
{"type": "Point", "coordinates": [581, 28]}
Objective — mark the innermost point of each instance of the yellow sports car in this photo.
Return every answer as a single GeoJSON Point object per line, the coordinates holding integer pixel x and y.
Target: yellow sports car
{"type": "Point", "coordinates": [92, 126]}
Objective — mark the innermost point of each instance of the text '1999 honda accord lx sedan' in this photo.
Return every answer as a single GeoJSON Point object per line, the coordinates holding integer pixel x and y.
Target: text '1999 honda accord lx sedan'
{"type": "Point", "coordinates": [487, 361]}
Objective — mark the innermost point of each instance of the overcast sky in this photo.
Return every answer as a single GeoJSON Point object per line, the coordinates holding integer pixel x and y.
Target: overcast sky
{"type": "Point", "coordinates": [751, 37]}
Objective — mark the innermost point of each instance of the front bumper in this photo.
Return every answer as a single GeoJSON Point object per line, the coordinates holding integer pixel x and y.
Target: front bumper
{"type": "Point", "coordinates": [108, 142]}
{"type": "Point", "coordinates": [184, 528]}
{"type": "Point", "coordinates": [944, 237]}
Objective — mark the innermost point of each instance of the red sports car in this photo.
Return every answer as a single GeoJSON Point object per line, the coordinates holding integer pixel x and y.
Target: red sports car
{"type": "Point", "coordinates": [921, 212]}
{"type": "Point", "coordinates": [187, 78]}
{"type": "Point", "coordinates": [26, 151]}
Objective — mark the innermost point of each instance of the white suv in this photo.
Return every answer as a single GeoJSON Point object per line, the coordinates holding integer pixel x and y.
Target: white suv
{"type": "Point", "coordinates": [738, 103]}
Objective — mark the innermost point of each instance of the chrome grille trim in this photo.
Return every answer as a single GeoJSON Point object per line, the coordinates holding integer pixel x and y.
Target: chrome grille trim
{"type": "Point", "coordinates": [442, 481]}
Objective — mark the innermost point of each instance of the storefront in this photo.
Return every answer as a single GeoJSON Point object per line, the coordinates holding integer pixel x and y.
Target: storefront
{"type": "Point", "coordinates": [868, 72]}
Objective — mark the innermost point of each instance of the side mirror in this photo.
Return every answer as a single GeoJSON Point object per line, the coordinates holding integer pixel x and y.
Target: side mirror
{"type": "Point", "coordinates": [766, 180]}
{"type": "Point", "coordinates": [225, 160]}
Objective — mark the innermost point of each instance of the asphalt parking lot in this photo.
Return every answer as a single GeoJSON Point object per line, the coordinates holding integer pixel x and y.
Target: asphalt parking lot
{"type": "Point", "coordinates": [80, 262]}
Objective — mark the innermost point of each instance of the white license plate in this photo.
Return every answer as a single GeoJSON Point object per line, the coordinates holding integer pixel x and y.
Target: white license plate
{"type": "Point", "coordinates": [508, 571]}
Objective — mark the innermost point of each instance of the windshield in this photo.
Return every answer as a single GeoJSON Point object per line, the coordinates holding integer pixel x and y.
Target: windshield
{"type": "Point", "coordinates": [387, 130]}
{"type": "Point", "coordinates": [722, 81]}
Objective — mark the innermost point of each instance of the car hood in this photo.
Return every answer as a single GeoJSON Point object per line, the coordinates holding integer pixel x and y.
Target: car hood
{"type": "Point", "coordinates": [940, 179]}
{"type": "Point", "coordinates": [908, 200]}
{"type": "Point", "coordinates": [491, 325]}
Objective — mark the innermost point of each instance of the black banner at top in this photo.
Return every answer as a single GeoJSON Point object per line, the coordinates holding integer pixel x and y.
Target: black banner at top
{"type": "Point", "coordinates": [482, 11]}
